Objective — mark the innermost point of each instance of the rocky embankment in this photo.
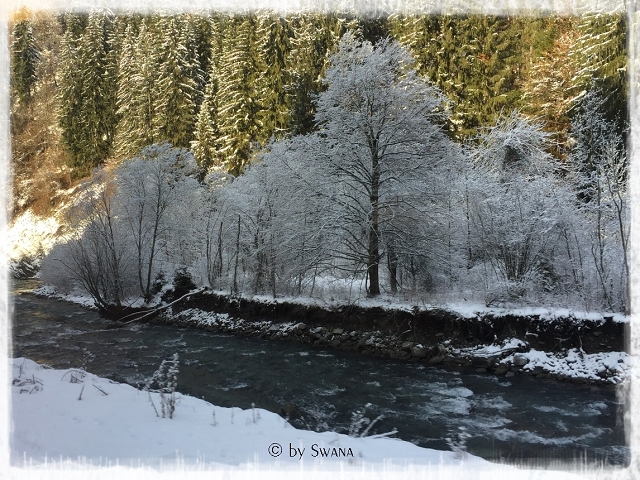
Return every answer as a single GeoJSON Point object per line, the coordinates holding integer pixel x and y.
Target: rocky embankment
{"type": "Point", "coordinates": [564, 348]}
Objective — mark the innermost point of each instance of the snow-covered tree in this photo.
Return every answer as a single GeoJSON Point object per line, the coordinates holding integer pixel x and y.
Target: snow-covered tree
{"type": "Point", "coordinates": [96, 256]}
{"type": "Point", "coordinates": [136, 86]}
{"type": "Point", "coordinates": [24, 57]}
{"type": "Point", "coordinates": [514, 206]}
{"type": "Point", "coordinates": [150, 186]}
{"type": "Point", "coordinates": [599, 162]}
{"type": "Point", "coordinates": [381, 146]}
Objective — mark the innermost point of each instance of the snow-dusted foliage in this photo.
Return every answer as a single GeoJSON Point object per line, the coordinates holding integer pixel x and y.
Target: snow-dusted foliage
{"type": "Point", "coordinates": [154, 188]}
{"type": "Point", "coordinates": [599, 162]}
{"type": "Point", "coordinates": [96, 258]}
{"type": "Point", "coordinates": [377, 184]}
{"type": "Point", "coordinates": [381, 149]}
{"type": "Point", "coordinates": [515, 205]}
{"type": "Point", "coordinates": [133, 223]}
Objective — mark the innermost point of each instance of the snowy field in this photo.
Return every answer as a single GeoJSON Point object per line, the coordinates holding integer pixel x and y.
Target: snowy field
{"type": "Point", "coordinates": [72, 419]}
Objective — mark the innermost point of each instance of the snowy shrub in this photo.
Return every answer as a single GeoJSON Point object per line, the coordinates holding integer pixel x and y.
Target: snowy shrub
{"type": "Point", "coordinates": [182, 282]}
{"type": "Point", "coordinates": [27, 266]}
{"type": "Point", "coordinates": [158, 283]}
{"type": "Point", "coordinates": [457, 442]}
{"type": "Point", "coordinates": [27, 384]}
{"type": "Point", "coordinates": [164, 382]}
{"type": "Point", "coordinates": [96, 256]}
{"type": "Point", "coordinates": [360, 425]}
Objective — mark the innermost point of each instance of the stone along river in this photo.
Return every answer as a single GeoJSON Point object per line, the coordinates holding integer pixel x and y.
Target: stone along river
{"type": "Point", "coordinates": [517, 419]}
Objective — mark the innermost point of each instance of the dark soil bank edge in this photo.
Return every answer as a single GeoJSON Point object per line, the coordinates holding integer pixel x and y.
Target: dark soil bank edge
{"type": "Point", "coordinates": [427, 336]}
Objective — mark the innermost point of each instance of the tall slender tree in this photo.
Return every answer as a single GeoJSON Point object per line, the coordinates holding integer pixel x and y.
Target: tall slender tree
{"type": "Point", "coordinates": [136, 91]}
{"type": "Point", "coordinates": [24, 57]}
{"type": "Point", "coordinates": [238, 99]}
{"type": "Point", "coordinates": [174, 90]}
{"type": "Point", "coordinates": [380, 143]}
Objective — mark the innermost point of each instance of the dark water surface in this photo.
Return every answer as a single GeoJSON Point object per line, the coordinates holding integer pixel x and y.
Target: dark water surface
{"type": "Point", "coordinates": [515, 419]}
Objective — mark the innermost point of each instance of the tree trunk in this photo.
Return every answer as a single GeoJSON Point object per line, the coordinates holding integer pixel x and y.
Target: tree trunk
{"type": "Point", "coordinates": [374, 247]}
{"type": "Point", "coordinates": [235, 268]}
{"type": "Point", "coordinates": [392, 258]}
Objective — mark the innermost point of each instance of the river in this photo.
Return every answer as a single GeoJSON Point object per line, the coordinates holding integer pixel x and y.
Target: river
{"type": "Point", "coordinates": [519, 419]}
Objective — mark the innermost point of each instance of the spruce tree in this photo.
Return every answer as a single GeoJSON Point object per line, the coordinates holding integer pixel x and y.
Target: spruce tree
{"type": "Point", "coordinates": [87, 91]}
{"type": "Point", "coordinates": [314, 37]}
{"type": "Point", "coordinates": [601, 57]}
{"type": "Point", "coordinates": [174, 89]}
{"type": "Point", "coordinates": [548, 88]}
{"type": "Point", "coordinates": [70, 98]}
{"type": "Point", "coordinates": [475, 60]}
{"type": "Point", "coordinates": [24, 57]}
{"type": "Point", "coordinates": [136, 87]}
{"type": "Point", "coordinates": [99, 83]}
{"type": "Point", "coordinates": [205, 147]}
{"type": "Point", "coordinates": [195, 35]}
{"type": "Point", "coordinates": [238, 99]}
{"type": "Point", "coordinates": [273, 35]}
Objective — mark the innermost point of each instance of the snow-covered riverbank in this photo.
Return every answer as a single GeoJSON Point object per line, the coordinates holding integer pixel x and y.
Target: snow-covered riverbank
{"type": "Point", "coordinates": [74, 416]}
{"type": "Point", "coordinates": [502, 356]}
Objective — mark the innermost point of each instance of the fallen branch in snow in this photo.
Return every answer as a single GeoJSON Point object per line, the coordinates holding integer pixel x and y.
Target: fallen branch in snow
{"type": "Point", "coordinates": [73, 379]}
{"type": "Point", "coordinates": [159, 309]}
{"type": "Point", "coordinates": [101, 390]}
{"type": "Point", "coordinates": [383, 435]}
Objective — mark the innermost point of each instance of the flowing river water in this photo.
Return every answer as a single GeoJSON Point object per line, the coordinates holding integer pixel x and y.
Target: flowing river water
{"type": "Point", "coordinates": [518, 419]}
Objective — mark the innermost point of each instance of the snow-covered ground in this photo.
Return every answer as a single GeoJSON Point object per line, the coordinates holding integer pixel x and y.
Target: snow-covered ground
{"type": "Point", "coordinates": [466, 309]}
{"type": "Point", "coordinates": [615, 367]}
{"type": "Point", "coordinates": [71, 417]}
{"type": "Point", "coordinates": [30, 235]}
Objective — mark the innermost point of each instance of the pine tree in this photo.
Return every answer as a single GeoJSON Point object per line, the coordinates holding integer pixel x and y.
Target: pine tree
{"type": "Point", "coordinates": [205, 147]}
{"type": "Point", "coordinates": [273, 34]}
{"type": "Point", "coordinates": [24, 57]}
{"type": "Point", "coordinates": [174, 89]}
{"type": "Point", "coordinates": [136, 87]}
{"type": "Point", "coordinates": [238, 100]}
{"type": "Point", "coordinates": [87, 93]}
{"type": "Point", "coordinates": [601, 56]}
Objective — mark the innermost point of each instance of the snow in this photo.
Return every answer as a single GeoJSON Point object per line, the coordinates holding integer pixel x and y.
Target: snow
{"type": "Point", "coordinates": [78, 298]}
{"type": "Point", "coordinates": [577, 364]}
{"type": "Point", "coordinates": [464, 309]}
{"type": "Point", "coordinates": [30, 235]}
{"type": "Point", "coordinates": [82, 419]}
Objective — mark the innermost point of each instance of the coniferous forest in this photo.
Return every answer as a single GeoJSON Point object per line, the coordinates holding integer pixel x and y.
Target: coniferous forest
{"type": "Point", "coordinates": [421, 157]}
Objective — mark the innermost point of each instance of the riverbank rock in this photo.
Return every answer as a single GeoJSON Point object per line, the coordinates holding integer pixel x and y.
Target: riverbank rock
{"type": "Point", "coordinates": [299, 328]}
{"type": "Point", "coordinates": [483, 361]}
{"type": "Point", "coordinates": [501, 370]}
{"type": "Point", "coordinates": [407, 346]}
{"type": "Point", "coordinates": [520, 360]}
{"type": "Point", "coordinates": [436, 361]}
{"type": "Point", "coordinates": [419, 352]}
